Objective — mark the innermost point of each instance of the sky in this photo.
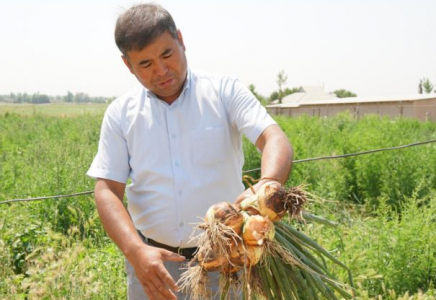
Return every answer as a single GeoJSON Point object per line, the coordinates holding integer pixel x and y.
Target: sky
{"type": "Point", "coordinates": [370, 47]}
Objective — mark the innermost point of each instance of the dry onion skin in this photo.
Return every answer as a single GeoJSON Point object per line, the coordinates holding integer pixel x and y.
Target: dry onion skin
{"type": "Point", "coordinates": [273, 200]}
{"type": "Point", "coordinates": [226, 214]}
{"type": "Point", "coordinates": [222, 225]}
{"type": "Point", "coordinates": [245, 255]}
{"type": "Point", "coordinates": [210, 260]}
{"type": "Point", "coordinates": [257, 229]}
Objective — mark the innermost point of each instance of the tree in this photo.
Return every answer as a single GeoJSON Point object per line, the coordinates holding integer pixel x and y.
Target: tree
{"type": "Point", "coordinates": [281, 81]}
{"type": "Point", "coordinates": [275, 95]}
{"type": "Point", "coordinates": [69, 98]}
{"type": "Point", "coordinates": [27, 98]}
{"type": "Point", "coordinates": [426, 86]}
{"type": "Point", "coordinates": [40, 98]}
{"type": "Point", "coordinates": [344, 93]}
{"type": "Point", "coordinates": [81, 98]}
{"type": "Point", "coordinates": [289, 91]}
{"type": "Point", "coordinates": [259, 97]}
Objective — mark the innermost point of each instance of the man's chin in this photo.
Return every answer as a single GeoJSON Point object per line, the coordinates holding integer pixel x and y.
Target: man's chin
{"type": "Point", "coordinates": [168, 93]}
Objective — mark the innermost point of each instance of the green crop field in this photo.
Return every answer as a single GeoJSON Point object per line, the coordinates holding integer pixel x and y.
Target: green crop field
{"type": "Point", "coordinates": [53, 109]}
{"type": "Point", "coordinates": [384, 203]}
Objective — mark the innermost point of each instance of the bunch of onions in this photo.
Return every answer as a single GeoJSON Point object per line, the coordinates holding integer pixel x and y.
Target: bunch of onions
{"type": "Point", "coordinates": [256, 249]}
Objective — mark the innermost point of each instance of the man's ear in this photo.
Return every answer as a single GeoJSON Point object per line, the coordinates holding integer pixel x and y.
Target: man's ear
{"type": "Point", "coordinates": [127, 63]}
{"type": "Point", "coordinates": [180, 39]}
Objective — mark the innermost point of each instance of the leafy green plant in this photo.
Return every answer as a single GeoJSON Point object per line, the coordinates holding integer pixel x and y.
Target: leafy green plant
{"type": "Point", "coordinates": [384, 204]}
{"type": "Point", "coordinates": [390, 250]}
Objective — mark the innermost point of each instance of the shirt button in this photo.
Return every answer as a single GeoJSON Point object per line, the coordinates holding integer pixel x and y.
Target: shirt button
{"type": "Point", "coordinates": [181, 224]}
{"type": "Point", "coordinates": [177, 164]}
{"type": "Point", "coordinates": [180, 192]}
{"type": "Point", "coordinates": [173, 136]}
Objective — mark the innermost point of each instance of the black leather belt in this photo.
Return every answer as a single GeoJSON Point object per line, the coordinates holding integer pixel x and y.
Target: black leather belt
{"type": "Point", "coordinates": [186, 252]}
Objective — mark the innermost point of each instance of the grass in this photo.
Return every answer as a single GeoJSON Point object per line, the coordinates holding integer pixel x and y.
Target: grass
{"type": "Point", "coordinates": [384, 203]}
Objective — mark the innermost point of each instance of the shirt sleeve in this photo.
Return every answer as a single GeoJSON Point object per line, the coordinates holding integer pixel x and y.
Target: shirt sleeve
{"type": "Point", "coordinates": [112, 159]}
{"type": "Point", "coordinates": [245, 111]}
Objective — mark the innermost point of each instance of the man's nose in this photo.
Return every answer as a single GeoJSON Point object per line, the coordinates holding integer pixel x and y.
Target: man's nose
{"type": "Point", "coordinates": [160, 68]}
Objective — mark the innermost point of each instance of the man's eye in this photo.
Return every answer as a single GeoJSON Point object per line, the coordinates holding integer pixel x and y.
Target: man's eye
{"type": "Point", "coordinates": [167, 55]}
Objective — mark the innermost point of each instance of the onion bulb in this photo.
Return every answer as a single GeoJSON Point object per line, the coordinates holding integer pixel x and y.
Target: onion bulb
{"type": "Point", "coordinates": [229, 268]}
{"type": "Point", "coordinates": [268, 201]}
{"type": "Point", "coordinates": [257, 229]}
{"type": "Point", "coordinates": [210, 260]}
{"type": "Point", "coordinates": [226, 214]}
{"type": "Point", "coordinates": [245, 256]}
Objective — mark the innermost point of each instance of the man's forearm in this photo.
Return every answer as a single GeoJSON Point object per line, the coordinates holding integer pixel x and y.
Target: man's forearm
{"type": "Point", "coordinates": [115, 218]}
{"type": "Point", "coordinates": [276, 161]}
{"type": "Point", "coordinates": [277, 154]}
{"type": "Point", "coordinates": [147, 261]}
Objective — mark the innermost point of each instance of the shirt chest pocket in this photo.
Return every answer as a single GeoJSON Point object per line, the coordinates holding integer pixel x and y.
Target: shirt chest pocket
{"type": "Point", "coordinates": [208, 145]}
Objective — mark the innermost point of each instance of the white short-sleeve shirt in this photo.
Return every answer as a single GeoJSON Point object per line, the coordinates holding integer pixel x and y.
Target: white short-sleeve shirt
{"type": "Point", "coordinates": [181, 158]}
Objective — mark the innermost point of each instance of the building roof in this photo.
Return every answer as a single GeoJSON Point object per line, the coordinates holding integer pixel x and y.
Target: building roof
{"type": "Point", "coordinates": [304, 95]}
{"type": "Point", "coordinates": [334, 100]}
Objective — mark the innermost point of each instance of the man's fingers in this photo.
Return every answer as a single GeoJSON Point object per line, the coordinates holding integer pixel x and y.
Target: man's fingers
{"type": "Point", "coordinates": [161, 283]}
{"type": "Point", "coordinates": [161, 290]}
{"type": "Point", "coordinates": [156, 290]}
{"type": "Point", "coordinates": [171, 256]}
{"type": "Point", "coordinates": [149, 292]}
{"type": "Point", "coordinates": [154, 277]}
{"type": "Point", "coordinates": [168, 280]}
{"type": "Point", "coordinates": [242, 196]}
{"type": "Point", "coordinates": [170, 283]}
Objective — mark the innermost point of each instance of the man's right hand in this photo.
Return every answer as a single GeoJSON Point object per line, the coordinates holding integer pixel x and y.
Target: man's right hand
{"type": "Point", "coordinates": [146, 260]}
{"type": "Point", "coordinates": [148, 263]}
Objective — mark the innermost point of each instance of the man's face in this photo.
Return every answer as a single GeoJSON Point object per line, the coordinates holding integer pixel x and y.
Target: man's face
{"type": "Point", "coordinates": [161, 66]}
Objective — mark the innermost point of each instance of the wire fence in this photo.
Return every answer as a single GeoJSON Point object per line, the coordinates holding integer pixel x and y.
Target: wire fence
{"type": "Point", "coordinates": [48, 197]}
{"type": "Point", "coordinates": [353, 154]}
{"type": "Point", "coordinates": [246, 171]}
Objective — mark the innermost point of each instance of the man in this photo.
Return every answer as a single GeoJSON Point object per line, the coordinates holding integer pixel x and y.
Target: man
{"type": "Point", "coordinates": [177, 137]}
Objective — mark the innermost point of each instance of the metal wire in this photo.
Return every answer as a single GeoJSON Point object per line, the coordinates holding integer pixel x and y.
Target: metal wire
{"type": "Point", "coordinates": [246, 171]}
{"type": "Point", "coordinates": [352, 154]}
{"type": "Point", "coordinates": [48, 197]}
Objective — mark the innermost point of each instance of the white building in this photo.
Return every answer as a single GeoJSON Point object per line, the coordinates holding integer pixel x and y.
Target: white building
{"type": "Point", "coordinates": [314, 101]}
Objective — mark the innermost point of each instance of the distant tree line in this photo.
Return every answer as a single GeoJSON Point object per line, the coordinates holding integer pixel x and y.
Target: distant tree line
{"type": "Point", "coordinates": [424, 87]}
{"type": "Point", "coordinates": [38, 98]}
{"type": "Point", "coordinates": [284, 91]}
